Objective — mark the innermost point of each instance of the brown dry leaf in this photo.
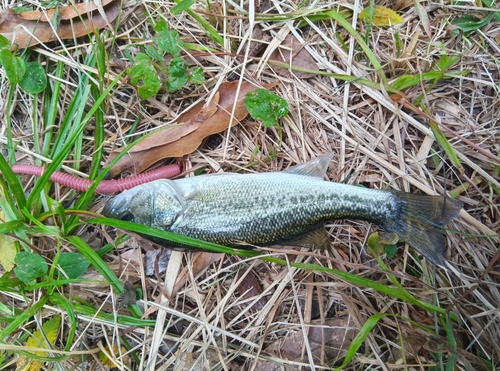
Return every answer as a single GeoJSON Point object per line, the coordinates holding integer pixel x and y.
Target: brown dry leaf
{"type": "Point", "coordinates": [291, 51]}
{"type": "Point", "coordinates": [201, 261]}
{"type": "Point", "coordinates": [137, 161]}
{"type": "Point", "coordinates": [201, 361]}
{"type": "Point", "coordinates": [329, 342]}
{"type": "Point", "coordinates": [249, 288]}
{"type": "Point", "coordinates": [175, 132]}
{"type": "Point", "coordinates": [31, 28]}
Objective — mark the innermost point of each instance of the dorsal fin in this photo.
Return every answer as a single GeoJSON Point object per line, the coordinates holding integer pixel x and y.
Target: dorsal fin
{"type": "Point", "coordinates": [316, 167]}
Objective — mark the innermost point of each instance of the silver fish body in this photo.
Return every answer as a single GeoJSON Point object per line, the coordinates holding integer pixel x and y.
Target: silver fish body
{"type": "Point", "coordinates": [267, 208]}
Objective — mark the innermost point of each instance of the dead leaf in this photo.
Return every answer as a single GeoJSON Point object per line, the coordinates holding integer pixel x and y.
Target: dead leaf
{"type": "Point", "coordinates": [292, 52]}
{"type": "Point", "coordinates": [205, 359]}
{"type": "Point", "coordinates": [249, 288]}
{"type": "Point", "coordinates": [424, 18]}
{"type": "Point", "coordinates": [212, 123]}
{"type": "Point", "coordinates": [157, 261]}
{"type": "Point", "coordinates": [173, 133]}
{"type": "Point", "coordinates": [43, 338]}
{"type": "Point", "coordinates": [27, 29]}
{"type": "Point", "coordinates": [329, 342]}
{"type": "Point", "coordinates": [128, 296]}
{"type": "Point", "coordinates": [201, 261]}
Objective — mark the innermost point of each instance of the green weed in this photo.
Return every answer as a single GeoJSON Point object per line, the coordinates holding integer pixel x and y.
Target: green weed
{"type": "Point", "coordinates": [266, 106]}
{"type": "Point", "coordinates": [149, 66]}
{"type": "Point", "coordinates": [30, 76]}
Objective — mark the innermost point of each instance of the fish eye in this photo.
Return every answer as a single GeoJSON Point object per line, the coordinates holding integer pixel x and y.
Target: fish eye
{"type": "Point", "coordinates": [128, 217]}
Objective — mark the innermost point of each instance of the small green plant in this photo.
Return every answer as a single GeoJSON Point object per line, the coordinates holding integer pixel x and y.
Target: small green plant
{"type": "Point", "coordinates": [266, 106]}
{"type": "Point", "coordinates": [383, 242]}
{"type": "Point", "coordinates": [30, 76]}
{"type": "Point", "coordinates": [149, 66]}
{"type": "Point", "coordinates": [469, 23]}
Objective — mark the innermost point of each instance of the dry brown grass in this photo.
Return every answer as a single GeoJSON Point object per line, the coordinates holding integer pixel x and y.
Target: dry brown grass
{"type": "Point", "coordinates": [208, 323]}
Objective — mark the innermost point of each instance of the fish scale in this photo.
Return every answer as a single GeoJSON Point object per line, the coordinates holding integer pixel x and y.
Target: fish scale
{"type": "Point", "coordinates": [258, 208]}
{"type": "Point", "coordinates": [268, 208]}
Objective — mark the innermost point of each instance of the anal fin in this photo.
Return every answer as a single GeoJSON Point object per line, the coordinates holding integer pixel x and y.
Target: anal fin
{"type": "Point", "coordinates": [316, 238]}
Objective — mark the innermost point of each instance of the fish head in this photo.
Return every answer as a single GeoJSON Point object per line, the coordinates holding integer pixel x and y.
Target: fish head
{"type": "Point", "coordinates": [155, 204]}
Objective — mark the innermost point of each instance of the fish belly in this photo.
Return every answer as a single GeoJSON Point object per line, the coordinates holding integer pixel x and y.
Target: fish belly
{"type": "Point", "coordinates": [270, 207]}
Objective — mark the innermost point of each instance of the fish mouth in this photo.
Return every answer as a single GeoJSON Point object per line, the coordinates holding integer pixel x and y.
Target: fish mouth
{"type": "Point", "coordinates": [112, 207]}
{"type": "Point", "coordinates": [107, 210]}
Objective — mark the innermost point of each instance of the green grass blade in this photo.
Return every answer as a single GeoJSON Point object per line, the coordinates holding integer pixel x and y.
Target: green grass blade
{"type": "Point", "coordinates": [364, 282]}
{"type": "Point", "coordinates": [96, 262]}
{"type": "Point", "coordinates": [50, 110]}
{"type": "Point", "coordinates": [58, 299]}
{"type": "Point", "coordinates": [360, 338]}
{"type": "Point", "coordinates": [102, 268]}
{"type": "Point", "coordinates": [10, 227]}
{"type": "Point", "coordinates": [69, 144]}
{"type": "Point", "coordinates": [24, 316]}
{"type": "Point", "coordinates": [339, 18]}
{"type": "Point", "coordinates": [14, 186]}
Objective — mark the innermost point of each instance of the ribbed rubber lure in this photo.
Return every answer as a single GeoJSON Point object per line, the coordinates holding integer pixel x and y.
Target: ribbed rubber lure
{"type": "Point", "coordinates": [105, 186]}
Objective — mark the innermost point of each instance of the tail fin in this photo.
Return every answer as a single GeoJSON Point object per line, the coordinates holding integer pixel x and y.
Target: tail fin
{"type": "Point", "coordinates": [421, 220]}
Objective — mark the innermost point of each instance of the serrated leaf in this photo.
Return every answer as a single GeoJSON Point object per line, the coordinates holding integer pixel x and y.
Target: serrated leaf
{"type": "Point", "coordinates": [161, 26]}
{"type": "Point", "coordinates": [39, 339]}
{"type": "Point", "coordinates": [178, 67]}
{"type": "Point", "coordinates": [141, 57]}
{"type": "Point", "coordinates": [30, 266]}
{"type": "Point", "coordinates": [154, 53]}
{"type": "Point", "coordinates": [168, 41]}
{"type": "Point", "coordinates": [197, 75]}
{"type": "Point", "coordinates": [176, 83]}
{"type": "Point", "coordinates": [34, 80]}
{"type": "Point", "coordinates": [266, 106]}
{"type": "Point", "coordinates": [391, 251]}
{"type": "Point", "coordinates": [14, 66]}
{"type": "Point", "coordinates": [143, 75]}
{"type": "Point", "coordinates": [380, 16]}
{"type": "Point", "coordinates": [73, 264]}
{"type": "Point", "coordinates": [177, 77]}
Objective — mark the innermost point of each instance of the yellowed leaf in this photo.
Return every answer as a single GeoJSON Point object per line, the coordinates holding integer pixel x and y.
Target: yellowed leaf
{"type": "Point", "coordinates": [39, 339]}
{"type": "Point", "coordinates": [382, 16]}
{"type": "Point", "coordinates": [8, 248]}
{"type": "Point", "coordinates": [8, 251]}
{"type": "Point", "coordinates": [103, 355]}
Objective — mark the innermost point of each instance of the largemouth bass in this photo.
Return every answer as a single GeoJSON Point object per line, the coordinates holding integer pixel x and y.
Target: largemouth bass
{"type": "Point", "coordinates": [269, 208]}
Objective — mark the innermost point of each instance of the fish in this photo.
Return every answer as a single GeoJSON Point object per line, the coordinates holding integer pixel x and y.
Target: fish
{"type": "Point", "coordinates": [273, 208]}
